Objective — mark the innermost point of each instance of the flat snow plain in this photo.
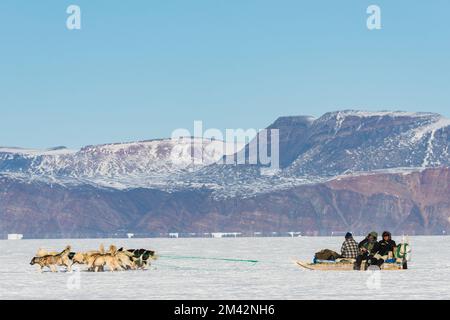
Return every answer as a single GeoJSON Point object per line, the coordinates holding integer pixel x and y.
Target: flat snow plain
{"type": "Point", "coordinates": [274, 276]}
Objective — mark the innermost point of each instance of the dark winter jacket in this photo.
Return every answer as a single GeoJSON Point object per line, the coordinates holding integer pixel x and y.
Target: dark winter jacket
{"type": "Point", "coordinates": [372, 247]}
{"type": "Point", "coordinates": [386, 246]}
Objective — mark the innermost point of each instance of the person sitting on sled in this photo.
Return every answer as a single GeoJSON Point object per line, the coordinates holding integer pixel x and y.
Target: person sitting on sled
{"type": "Point", "coordinates": [368, 248]}
{"type": "Point", "coordinates": [387, 247]}
{"type": "Point", "coordinates": [349, 249]}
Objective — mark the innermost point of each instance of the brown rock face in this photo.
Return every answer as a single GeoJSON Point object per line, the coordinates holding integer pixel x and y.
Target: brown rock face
{"type": "Point", "coordinates": [412, 203]}
{"type": "Point", "coordinates": [419, 201]}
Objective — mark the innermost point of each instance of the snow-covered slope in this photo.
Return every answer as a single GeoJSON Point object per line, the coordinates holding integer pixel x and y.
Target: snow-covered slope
{"type": "Point", "coordinates": [311, 150]}
{"type": "Point", "coordinates": [364, 141]}
{"type": "Point", "coordinates": [348, 142]}
{"type": "Point", "coordinates": [121, 165]}
{"type": "Point", "coordinates": [36, 152]}
{"type": "Point", "coordinates": [348, 169]}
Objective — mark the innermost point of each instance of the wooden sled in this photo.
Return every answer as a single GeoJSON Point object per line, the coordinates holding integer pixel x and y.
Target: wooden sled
{"type": "Point", "coordinates": [343, 266]}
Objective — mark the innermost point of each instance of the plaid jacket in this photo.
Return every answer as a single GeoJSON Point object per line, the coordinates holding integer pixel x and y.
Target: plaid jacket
{"type": "Point", "coordinates": [349, 249]}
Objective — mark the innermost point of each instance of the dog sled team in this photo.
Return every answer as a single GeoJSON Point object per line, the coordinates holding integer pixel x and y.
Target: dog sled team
{"type": "Point", "coordinates": [113, 259]}
{"type": "Point", "coordinates": [369, 253]}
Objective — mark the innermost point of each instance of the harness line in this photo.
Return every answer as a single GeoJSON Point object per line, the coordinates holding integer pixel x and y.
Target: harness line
{"type": "Point", "coordinates": [207, 258]}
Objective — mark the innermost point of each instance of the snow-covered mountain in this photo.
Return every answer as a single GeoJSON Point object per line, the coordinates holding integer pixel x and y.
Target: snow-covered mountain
{"type": "Point", "coordinates": [339, 143]}
{"type": "Point", "coordinates": [361, 141]}
{"type": "Point", "coordinates": [121, 165]}
{"type": "Point", "coordinates": [311, 150]}
{"type": "Point", "coordinates": [344, 141]}
{"type": "Point", "coordinates": [347, 170]}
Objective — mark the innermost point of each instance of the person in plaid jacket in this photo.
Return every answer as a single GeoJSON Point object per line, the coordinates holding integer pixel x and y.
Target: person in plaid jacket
{"type": "Point", "coordinates": [349, 249]}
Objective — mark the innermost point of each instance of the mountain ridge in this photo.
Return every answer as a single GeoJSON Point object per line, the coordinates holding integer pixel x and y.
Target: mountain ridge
{"type": "Point", "coordinates": [326, 164]}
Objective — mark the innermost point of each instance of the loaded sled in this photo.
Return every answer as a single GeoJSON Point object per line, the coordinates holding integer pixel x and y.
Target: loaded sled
{"type": "Point", "coordinates": [345, 264]}
{"type": "Point", "coordinates": [399, 262]}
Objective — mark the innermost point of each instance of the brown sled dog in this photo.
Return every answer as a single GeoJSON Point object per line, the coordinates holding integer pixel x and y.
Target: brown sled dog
{"type": "Point", "coordinates": [125, 259]}
{"type": "Point", "coordinates": [52, 261]}
{"type": "Point", "coordinates": [66, 261]}
{"type": "Point", "coordinates": [98, 261]}
{"type": "Point", "coordinates": [83, 257]}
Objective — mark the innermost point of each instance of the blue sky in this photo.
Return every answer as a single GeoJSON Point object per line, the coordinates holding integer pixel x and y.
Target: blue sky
{"type": "Point", "coordinates": [140, 69]}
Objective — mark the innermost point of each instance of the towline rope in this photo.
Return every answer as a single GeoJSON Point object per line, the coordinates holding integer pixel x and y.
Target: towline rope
{"type": "Point", "coordinates": [207, 258]}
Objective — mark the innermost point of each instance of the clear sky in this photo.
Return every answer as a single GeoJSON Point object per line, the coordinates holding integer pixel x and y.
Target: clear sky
{"type": "Point", "coordinates": [139, 69]}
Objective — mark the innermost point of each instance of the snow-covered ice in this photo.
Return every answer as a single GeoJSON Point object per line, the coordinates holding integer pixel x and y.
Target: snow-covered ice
{"type": "Point", "coordinates": [275, 276]}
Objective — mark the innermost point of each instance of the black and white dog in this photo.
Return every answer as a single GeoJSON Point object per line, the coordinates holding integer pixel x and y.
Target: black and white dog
{"type": "Point", "coordinates": [141, 257]}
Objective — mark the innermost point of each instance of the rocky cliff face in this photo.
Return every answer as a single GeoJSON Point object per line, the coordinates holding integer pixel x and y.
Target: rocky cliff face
{"type": "Point", "coordinates": [412, 203]}
{"type": "Point", "coordinates": [347, 170]}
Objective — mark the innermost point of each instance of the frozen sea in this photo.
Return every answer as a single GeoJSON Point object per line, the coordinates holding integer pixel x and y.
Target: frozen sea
{"type": "Point", "coordinates": [274, 276]}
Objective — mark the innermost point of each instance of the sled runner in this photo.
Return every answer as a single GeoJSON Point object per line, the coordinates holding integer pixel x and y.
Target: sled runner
{"type": "Point", "coordinates": [342, 265]}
